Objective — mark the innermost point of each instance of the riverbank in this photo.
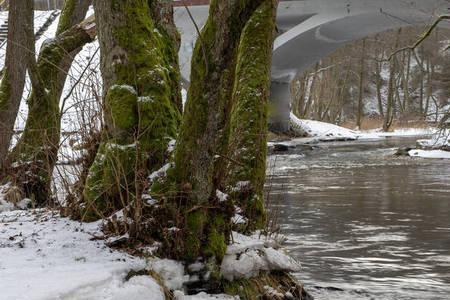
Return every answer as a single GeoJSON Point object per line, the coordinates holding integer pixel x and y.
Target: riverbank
{"type": "Point", "coordinates": [435, 143]}
{"type": "Point", "coordinates": [52, 257]}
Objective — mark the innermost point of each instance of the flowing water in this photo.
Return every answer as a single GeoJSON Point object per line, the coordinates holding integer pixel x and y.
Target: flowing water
{"type": "Point", "coordinates": [364, 223]}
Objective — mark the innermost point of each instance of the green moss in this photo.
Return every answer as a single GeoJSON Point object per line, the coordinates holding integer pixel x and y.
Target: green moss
{"type": "Point", "coordinates": [65, 19]}
{"type": "Point", "coordinates": [195, 225]}
{"type": "Point", "coordinates": [256, 288]}
{"type": "Point", "coordinates": [110, 180]}
{"type": "Point", "coordinates": [216, 243]}
{"type": "Point", "coordinates": [143, 99]}
{"type": "Point", "coordinates": [249, 115]}
{"type": "Point", "coordinates": [40, 140]}
{"type": "Point", "coordinates": [5, 90]}
{"type": "Point", "coordinates": [121, 101]}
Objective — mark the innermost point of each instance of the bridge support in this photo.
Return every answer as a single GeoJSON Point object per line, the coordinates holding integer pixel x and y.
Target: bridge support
{"type": "Point", "coordinates": [280, 107]}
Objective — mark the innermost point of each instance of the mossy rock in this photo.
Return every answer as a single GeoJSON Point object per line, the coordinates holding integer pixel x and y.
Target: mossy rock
{"type": "Point", "coordinates": [273, 286]}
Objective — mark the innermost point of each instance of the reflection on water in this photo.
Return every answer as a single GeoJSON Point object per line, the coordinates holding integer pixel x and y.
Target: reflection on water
{"type": "Point", "coordinates": [364, 222]}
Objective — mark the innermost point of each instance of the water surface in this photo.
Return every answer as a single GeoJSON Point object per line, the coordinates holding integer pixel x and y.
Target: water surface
{"type": "Point", "coordinates": [364, 223]}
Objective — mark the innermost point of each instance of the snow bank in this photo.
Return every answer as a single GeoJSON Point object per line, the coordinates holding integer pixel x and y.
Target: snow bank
{"type": "Point", "coordinates": [441, 139]}
{"type": "Point", "coordinates": [436, 147]}
{"type": "Point", "coordinates": [248, 256]}
{"type": "Point", "coordinates": [323, 131]}
{"type": "Point", "coordinates": [47, 257]}
{"type": "Point", "coordinates": [430, 153]}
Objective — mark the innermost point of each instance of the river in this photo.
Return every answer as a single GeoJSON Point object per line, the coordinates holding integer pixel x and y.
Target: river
{"type": "Point", "coordinates": [364, 223]}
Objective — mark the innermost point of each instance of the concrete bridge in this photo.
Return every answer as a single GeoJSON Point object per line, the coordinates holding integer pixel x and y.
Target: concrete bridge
{"type": "Point", "coordinates": [308, 30]}
{"type": "Point", "coordinates": [311, 29]}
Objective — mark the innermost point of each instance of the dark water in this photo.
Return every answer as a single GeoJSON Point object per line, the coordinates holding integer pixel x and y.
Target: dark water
{"type": "Point", "coordinates": [368, 224]}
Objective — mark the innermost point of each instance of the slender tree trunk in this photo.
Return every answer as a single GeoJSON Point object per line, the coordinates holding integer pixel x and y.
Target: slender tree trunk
{"type": "Point", "coordinates": [361, 85]}
{"type": "Point", "coordinates": [311, 100]}
{"type": "Point", "coordinates": [19, 52]}
{"type": "Point", "coordinates": [429, 89]}
{"type": "Point", "coordinates": [379, 79]}
{"type": "Point", "coordinates": [389, 117]}
{"type": "Point", "coordinates": [422, 86]}
{"type": "Point", "coordinates": [406, 78]}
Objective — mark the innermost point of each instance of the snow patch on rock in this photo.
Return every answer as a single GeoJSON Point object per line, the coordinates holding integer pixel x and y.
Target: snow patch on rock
{"type": "Point", "coordinates": [171, 271]}
{"type": "Point", "coordinates": [247, 256]}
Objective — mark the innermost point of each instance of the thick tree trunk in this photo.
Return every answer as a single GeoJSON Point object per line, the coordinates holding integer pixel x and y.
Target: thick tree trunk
{"type": "Point", "coordinates": [249, 116]}
{"type": "Point", "coordinates": [141, 96]}
{"type": "Point", "coordinates": [201, 152]}
{"type": "Point", "coordinates": [19, 51]}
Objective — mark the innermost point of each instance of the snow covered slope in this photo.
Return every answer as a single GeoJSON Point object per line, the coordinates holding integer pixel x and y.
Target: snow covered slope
{"type": "Point", "coordinates": [45, 257]}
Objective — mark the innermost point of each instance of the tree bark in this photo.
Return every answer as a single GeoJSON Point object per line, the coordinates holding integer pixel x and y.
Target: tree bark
{"type": "Point", "coordinates": [249, 116]}
{"type": "Point", "coordinates": [19, 51]}
{"type": "Point", "coordinates": [200, 154]}
{"type": "Point", "coordinates": [141, 96]}
{"type": "Point", "coordinates": [36, 152]}
{"type": "Point", "coordinates": [361, 86]}
{"type": "Point", "coordinates": [390, 107]}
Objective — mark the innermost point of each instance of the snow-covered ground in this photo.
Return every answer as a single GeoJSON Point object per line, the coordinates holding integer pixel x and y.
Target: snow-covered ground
{"type": "Point", "coordinates": [321, 131]}
{"type": "Point", "coordinates": [429, 153]}
{"type": "Point", "coordinates": [44, 256]}
{"type": "Point", "coordinates": [438, 146]}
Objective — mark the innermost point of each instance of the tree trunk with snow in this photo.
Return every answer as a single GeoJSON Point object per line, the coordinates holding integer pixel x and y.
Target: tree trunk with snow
{"type": "Point", "coordinates": [35, 154]}
{"type": "Point", "coordinates": [142, 100]}
{"type": "Point", "coordinates": [19, 52]}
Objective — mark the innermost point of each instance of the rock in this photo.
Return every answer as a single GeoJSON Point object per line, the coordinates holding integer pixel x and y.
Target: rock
{"type": "Point", "coordinates": [404, 151]}
{"type": "Point", "coordinates": [280, 148]}
{"type": "Point", "coordinates": [307, 147]}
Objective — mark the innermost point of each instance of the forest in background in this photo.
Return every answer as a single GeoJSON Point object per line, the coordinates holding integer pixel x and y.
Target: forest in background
{"type": "Point", "coordinates": [359, 86]}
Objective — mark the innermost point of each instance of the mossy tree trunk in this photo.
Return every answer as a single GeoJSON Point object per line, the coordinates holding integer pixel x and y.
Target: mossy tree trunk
{"type": "Point", "coordinates": [249, 117]}
{"type": "Point", "coordinates": [19, 52]}
{"type": "Point", "coordinates": [35, 154]}
{"type": "Point", "coordinates": [140, 73]}
{"type": "Point", "coordinates": [200, 158]}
